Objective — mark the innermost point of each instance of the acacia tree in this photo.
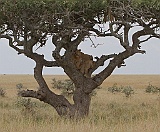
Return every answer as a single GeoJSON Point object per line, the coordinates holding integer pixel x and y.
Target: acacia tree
{"type": "Point", "coordinates": [29, 24]}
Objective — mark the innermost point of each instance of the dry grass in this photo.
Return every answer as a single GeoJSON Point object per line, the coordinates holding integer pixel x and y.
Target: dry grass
{"type": "Point", "coordinates": [108, 113]}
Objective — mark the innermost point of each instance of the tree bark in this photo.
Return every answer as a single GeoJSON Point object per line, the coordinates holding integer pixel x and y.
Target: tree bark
{"type": "Point", "coordinates": [82, 102]}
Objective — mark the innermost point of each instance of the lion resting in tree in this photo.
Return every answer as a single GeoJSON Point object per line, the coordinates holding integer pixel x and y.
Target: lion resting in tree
{"type": "Point", "coordinates": [83, 62]}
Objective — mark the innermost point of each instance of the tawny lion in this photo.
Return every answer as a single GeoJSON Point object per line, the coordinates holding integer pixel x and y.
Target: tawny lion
{"type": "Point", "coordinates": [83, 62]}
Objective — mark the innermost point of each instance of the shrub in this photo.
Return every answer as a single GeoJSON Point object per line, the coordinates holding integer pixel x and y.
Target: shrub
{"type": "Point", "coordinates": [2, 92]}
{"type": "Point", "coordinates": [115, 89]}
{"type": "Point", "coordinates": [152, 89]}
{"type": "Point", "coordinates": [26, 104]}
{"type": "Point", "coordinates": [67, 87]}
{"type": "Point", "coordinates": [128, 91]}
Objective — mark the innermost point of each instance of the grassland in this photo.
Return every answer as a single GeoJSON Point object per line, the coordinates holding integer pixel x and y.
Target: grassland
{"type": "Point", "coordinates": [108, 113]}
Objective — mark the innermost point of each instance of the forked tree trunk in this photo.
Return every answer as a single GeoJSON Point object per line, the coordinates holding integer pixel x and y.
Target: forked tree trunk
{"type": "Point", "coordinates": [84, 86]}
{"type": "Point", "coordinates": [79, 109]}
{"type": "Point", "coordinates": [81, 99]}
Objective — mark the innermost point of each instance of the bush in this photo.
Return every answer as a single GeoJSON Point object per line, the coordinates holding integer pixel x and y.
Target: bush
{"type": "Point", "coordinates": [67, 87]}
{"type": "Point", "coordinates": [2, 92]}
{"type": "Point", "coordinates": [115, 88]}
{"type": "Point", "coordinates": [128, 91]}
{"type": "Point", "coordinates": [26, 104]}
{"type": "Point", "coordinates": [152, 89]}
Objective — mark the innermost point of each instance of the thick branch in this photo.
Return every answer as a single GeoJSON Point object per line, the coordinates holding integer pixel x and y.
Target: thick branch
{"type": "Point", "coordinates": [40, 62]}
{"type": "Point", "coordinates": [100, 61]}
{"type": "Point", "coordinates": [143, 32]}
{"type": "Point", "coordinates": [34, 94]}
{"type": "Point", "coordinates": [118, 60]}
{"type": "Point", "coordinates": [126, 33]}
{"type": "Point", "coordinates": [60, 103]}
{"type": "Point", "coordinates": [50, 63]}
{"type": "Point", "coordinates": [74, 44]}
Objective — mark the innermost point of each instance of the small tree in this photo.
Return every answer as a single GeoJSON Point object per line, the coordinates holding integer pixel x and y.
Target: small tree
{"type": "Point", "coordinates": [27, 25]}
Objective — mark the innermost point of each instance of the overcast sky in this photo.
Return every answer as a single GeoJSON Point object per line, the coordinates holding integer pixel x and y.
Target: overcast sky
{"type": "Point", "coordinates": [149, 63]}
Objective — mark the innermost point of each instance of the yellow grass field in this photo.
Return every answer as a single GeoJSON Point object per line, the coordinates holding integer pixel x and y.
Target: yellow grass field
{"type": "Point", "coordinates": [108, 112]}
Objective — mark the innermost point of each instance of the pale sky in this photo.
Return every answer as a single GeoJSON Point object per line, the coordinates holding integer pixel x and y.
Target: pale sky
{"type": "Point", "coordinates": [149, 63]}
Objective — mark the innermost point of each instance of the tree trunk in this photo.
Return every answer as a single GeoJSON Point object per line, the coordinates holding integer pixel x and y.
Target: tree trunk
{"type": "Point", "coordinates": [79, 109]}
{"type": "Point", "coordinates": [82, 102]}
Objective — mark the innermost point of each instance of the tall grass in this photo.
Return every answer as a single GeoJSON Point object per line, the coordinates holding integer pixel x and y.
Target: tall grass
{"type": "Point", "coordinates": [108, 113]}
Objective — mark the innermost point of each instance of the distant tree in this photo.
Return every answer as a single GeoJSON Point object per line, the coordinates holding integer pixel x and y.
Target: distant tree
{"type": "Point", "coordinates": [27, 25]}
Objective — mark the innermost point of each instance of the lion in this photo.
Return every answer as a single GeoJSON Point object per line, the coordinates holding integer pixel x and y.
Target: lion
{"type": "Point", "coordinates": [87, 63]}
{"type": "Point", "coordinates": [76, 59]}
{"type": "Point", "coordinates": [83, 62]}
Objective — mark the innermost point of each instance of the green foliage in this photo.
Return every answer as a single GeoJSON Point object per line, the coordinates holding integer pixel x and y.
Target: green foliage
{"type": "Point", "coordinates": [23, 13]}
{"type": "Point", "coordinates": [2, 92]}
{"type": "Point", "coordinates": [127, 90]}
{"type": "Point", "coordinates": [148, 3]}
{"type": "Point", "coordinates": [59, 5]}
{"type": "Point", "coordinates": [115, 88]}
{"type": "Point", "coordinates": [42, 7]}
{"type": "Point", "coordinates": [26, 104]}
{"type": "Point", "coordinates": [152, 89]}
{"type": "Point", "coordinates": [67, 87]}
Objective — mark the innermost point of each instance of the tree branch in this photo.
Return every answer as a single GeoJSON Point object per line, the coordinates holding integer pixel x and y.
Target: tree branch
{"type": "Point", "coordinates": [74, 44]}
{"type": "Point", "coordinates": [34, 94]}
{"type": "Point", "coordinates": [50, 63]}
{"type": "Point", "coordinates": [100, 61]}
{"type": "Point", "coordinates": [146, 39]}
{"type": "Point", "coordinates": [127, 26]}
{"type": "Point", "coordinates": [20, 51]}
{"type": "Point", "coordinates": [99, 33]}
{"type": "Point", "coordinates": [143, 32]}
{"type": "Point", "coordinates": [117, 61]}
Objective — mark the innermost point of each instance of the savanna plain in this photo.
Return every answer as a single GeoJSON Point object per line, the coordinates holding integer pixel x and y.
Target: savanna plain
{"type": "Point", "coordinates": [109, 111]}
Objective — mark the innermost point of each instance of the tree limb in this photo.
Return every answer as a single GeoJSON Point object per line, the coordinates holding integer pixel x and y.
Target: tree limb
{"type": "Point", "coordinates": [50, 63]}
{"type": "Point", "coordinates": [100, 61]}
{"type": "Point", "coordinates": [143, 32]}
{"type": "Point", "coordinates": [20, 51]}
{"type": "Point", "coordinates": [31, 93]}
{"type": "Point", "coordinates": [99, 33]}
{"type": "Point", "coordinates": [117, 61]}
{"type": "Point", "coordinates": [127, 26]}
